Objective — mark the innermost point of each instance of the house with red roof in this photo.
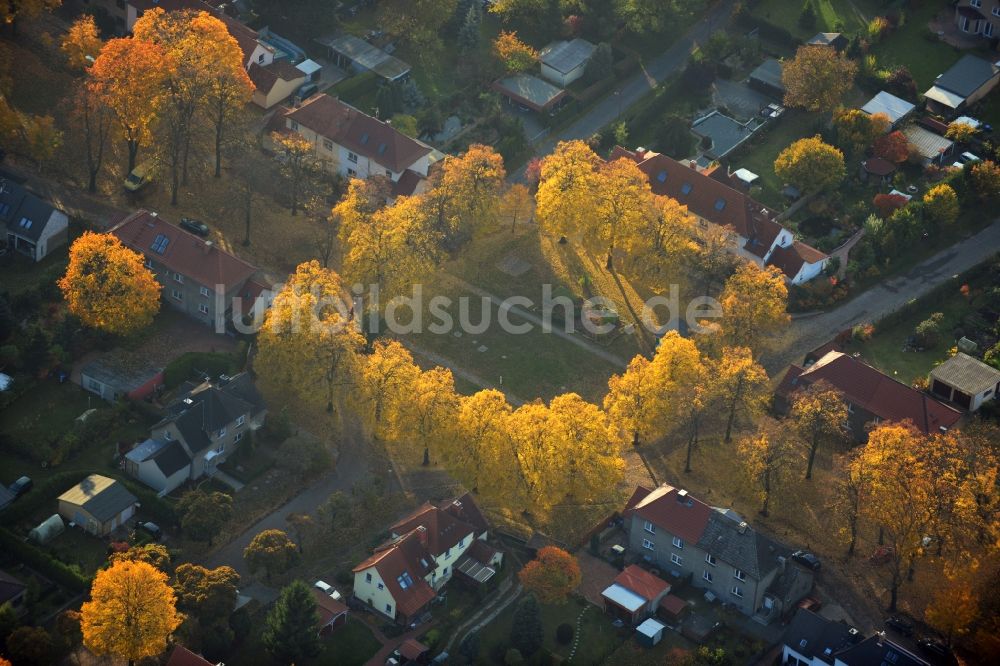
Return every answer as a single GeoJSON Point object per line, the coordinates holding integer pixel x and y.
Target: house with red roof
{"type": "Point", "coordinates": [634, 595]}
{"type": "Point", "coordinates": [353, 144]}
{"type": "Point", "coordinates": [759, 236]}
{"type": "Point", "coordinates": [715, 549]}
{"type": "Point", "coordinates": [181, 656]}
{"type": "Point", "coordinates": [198, 277]}
{"type": "Point", "coordinates": [331, 611]}
{"type": "Point", "coordinates": [426, 549]}
{"type": "Point", "coordinates": [871, 396]}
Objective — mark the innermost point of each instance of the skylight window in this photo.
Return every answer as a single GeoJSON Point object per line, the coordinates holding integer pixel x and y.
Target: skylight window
{"type": "Point", "coordinates": [25, 223]}
{"type": "Point", "coordinates": [720, 204]}
{"type": "Point", "coordinates": [382, 148]}
{"type": "Point", "coordinates": [159, 245]}
{"type": "Point", "coordinates": [364, 138]}
{"type": "Point", "coordinates": [686, 188]}
{"type": "Point", "coordinates": [662, 176]}
{"type": "Point", "coordinates": [404, 580]}
{"type": "Point", "coordinates": [4, 209]}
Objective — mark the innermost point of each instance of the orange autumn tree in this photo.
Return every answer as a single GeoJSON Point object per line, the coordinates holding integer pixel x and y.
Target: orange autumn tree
{"type": "Point", "coordinates": [107, 286]}
{"type": "Point", "coordinates": [513, 54]}
{"type": "Point", "coordinates": [82, 42]}
{"type": "Point", "coordinates": [131, 613]}
{"type": "Point", "coordinates": [552, 575]}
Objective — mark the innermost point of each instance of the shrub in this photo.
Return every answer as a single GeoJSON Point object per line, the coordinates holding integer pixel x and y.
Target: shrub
{"type": "Point", "coordinates": [68, 576]}
{"type": "Point", "coordinates": [564, 634]}
{"type": "Point", "coordinates": [928, 332]}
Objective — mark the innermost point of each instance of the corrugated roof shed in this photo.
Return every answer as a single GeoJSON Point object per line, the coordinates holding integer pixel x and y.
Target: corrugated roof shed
{"type": "Point", "coordinates": [967, 374]}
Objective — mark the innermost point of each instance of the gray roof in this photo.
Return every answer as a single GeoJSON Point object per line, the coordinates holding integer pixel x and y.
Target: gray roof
{"type": "Point", "coordinates": [101, 497]}
{"type": "Point", "coordinates": [115, 370]}
{"type": "Point", "coordinates": [209, 407]}
{"type": "Point", "coordinates": [827, 39]}
{"type": "Point", "coordinates": [144, 451]}
{"type": "Point", "coordinates": [530, 88]}
{"type": "Point", "coordinates": [967, 75]}
{"type": "Point", "coordinates": [564, 57]}
{"type": "Point", "coordinates": [813, 636]}
{"type": "Point", "coordinates": [769, 72]}
{"type": "Point", "coordinates": [366, 56]}
{"type": "Point", "coordinates": [725, 132]}
{"type": "Point", "coordinates": [888, 104]}
{"type": "Point", "coordinates": [171, 458]}
{"type": "Point", "coordinates": [747, 550]}
{"type": "Point", "coordinates": [876, 651]}
{"type": "Point", "coordinates": [17, 203]}
{"type": "Point", "coordinates": [968, 374]}
{"type": "Point", "coordinates": [926, 142]}
{"type": "Point", "coordinates": [6, 496]}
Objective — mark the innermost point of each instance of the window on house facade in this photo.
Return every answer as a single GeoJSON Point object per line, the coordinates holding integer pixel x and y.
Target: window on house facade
{"type": "Point", "coordinates": [461, 542]}
{"type": "Point", "coordinates": [221, 448]}
{"type": "Point", "coordinates": [222, 432]}
{"type": "Point", "coordinates": [707, 575]}
{"type": "Point", "coordinates": [240, 420]}
{"type": "Point", "coordinates": [178, 278]}
{"type": "Point", "coordinates": [676, 559]}
{"type": "Point", "coordinates": [647, 544]}
{"type": "Point", "coordinates": [850, 408]}
{"type": "Point", "coordinates": [93, 385]}
{"type": "Point", "coordinates": [738, 575]}
{"type": "Point", "coordinates": [447, 553]}
{"type": "Point", "coordinates": [710, 558]}
{"type": "Point", "coordinates": [4, 209]}
{"type": "Point", "coordinates": [202, 308]}
{"type": "Point", "coordinates": [352, 173]}
{"type": "Point", "coordinates": [368, 577]}
{"type": "Point", "coordinates": [737, 591]}
{"type": "Point", "coordinates": [352, 157]}
{"type": "Point", "coordinates": [996, 11]}
{"type": "Point", "coordinates": [328, 144]}
{"type": "Point", "coordinates": [260, 58]}
{"type": "Point", "coordinates": [678, 542]}
{"type": "Point", "coordinates": [648, 526]}
{"type": "Point", "coordinates": [177, 295]}
{"type": "Point", "coordinates": [388, 607]}
{"type": "Point", "coordinates": [295, 125]}
{"type": "Point", "coordinates": [380, 585]}
{"type": "Point", "coordinates": [205, 292]}
{"type": "Point", "coordinates": [976, 3]}
{"type": "Point", "coordinates": [238, 437]}
{"type": "Point", "coordinates": [147, 262]}
{"type": "Point", "coordinates": [988, 29]}
{"type": "Point", "coordinates": [444, 572]}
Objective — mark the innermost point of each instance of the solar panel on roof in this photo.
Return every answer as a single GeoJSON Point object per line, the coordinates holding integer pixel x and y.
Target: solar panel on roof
{"type": "Point", "coordinates": [160, 244]}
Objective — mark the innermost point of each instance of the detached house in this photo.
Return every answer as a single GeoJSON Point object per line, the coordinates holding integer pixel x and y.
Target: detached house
{"type": "Point", "coordinates": [426, 549]}
{"type": "Point", "coordinates": [759, 237]}
{"type": "Point", "coordinates": [962, 85]}
{"type": "Point", "coordinates": [871, 396]}
{"type": "Point", "coordinates": [356, 145]}
{"type": "Point", "coordinates": [202, 429]}
{"type": "Point", "coordinates": [812, 640]}
{"type": "Point", "coordinates": [199, 278]}
{"type": "Point", "coordinates": [717, 549]}
{"type": "Point", "coordinates": [33, 227]}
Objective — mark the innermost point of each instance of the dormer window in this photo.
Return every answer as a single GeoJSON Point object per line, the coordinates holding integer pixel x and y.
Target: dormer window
{"type": "Point", "coordinates": [222, 432]}
{"type": "Point", "coordinates": [25, 223]}
{"type": "Point", "coordinates": [720, 204]}
{"type": "Point", "coordinates": [240, 421]}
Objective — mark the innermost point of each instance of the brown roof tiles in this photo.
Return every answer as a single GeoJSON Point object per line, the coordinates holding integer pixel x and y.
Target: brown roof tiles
{"type": "Point", "coordinates": [405, 555]}
{"type": "Point", "coordinates": [673, 510]}
{"type": "Point", "coordinates": [643, 583]}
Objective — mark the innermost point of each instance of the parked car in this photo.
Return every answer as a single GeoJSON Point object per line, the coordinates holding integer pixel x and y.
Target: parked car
{"type": "Point", "coordinates": [807, 559]}
{"type": "Point", "coordinates": [194, 226]}
{"type": "Point", "coordinates": [934, 646]}
{"type": "Point", "coordinates": [152, 529]}
{"type": "Point", "coordinates": [21, 486]}
{"type": "Point", "coordinates": [900, 625]}
{"type": "Point", "coordinates": [305, 92]}
{"type": "Point", "coordinates": [968, 158]}
{"type": "Point", "coordinates": [140, 177]}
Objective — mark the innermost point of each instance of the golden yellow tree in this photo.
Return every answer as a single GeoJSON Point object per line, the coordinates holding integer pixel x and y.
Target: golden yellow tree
{"type": "Point", "coordinates": [765, 456]}
{"type": "Point", "coordinates": [634, 407]}
{"type": "Point", "coordinates": [848, 497]}
{"type": "Point", "coordinates": [82, 43]}
{"type": "Point", "coordinates": [811, 165]}
{"type": "Point", "coordinates": [817, 78]}
{"type": "Point", "coordinates": [819, 414]}
{"type": "Point", "coordinates": [107, 286]}
{"type": "Point", "coordinates": [623, 205]}
{"type": "Point", "coordinates": [857, 130]}
{"type": "Point", "coordinates": [131, 613]}
{"type": "Point", "coordinates": [954, 606]}
{"type": "Point", "coordinates": [474, 454]}
{"type": "Point", "coordinates": [385, 383]}
{"type": "Point", "coordinates": [714, 258]}
{"type": "Point", "coordinates": [431, 410]}
{"type": "Point", "coordinates": [589, 462]}
{"type": "Point", "coordinates": [513, 54]}
{"type": "Point", "coordinates": [465, 194]}
{"type": "Point", "coordinates": [753, 306]}
{"type": "Point", "coordinates": [565, 197]}
{"type": "Point", "coordinates": [664, 238]}
{"type": "Point", "coordinates": [516, 205]}
{"type": "Point", "coordinates": [742, 384]}
{"type": "Point", "coordinates": [129, 75]}
{"type": "Point", "coordinates": [309, 345]}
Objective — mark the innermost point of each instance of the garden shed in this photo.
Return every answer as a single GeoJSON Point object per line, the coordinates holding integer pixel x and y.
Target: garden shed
{"type": "Point", "coordinates": [650, 632]}
{"type": "Point", "coordinates": [47, 530]}
{"type": "Point", "coordinates": [98, 504]}
{"type": "Point", "coordinates": [966, 381]}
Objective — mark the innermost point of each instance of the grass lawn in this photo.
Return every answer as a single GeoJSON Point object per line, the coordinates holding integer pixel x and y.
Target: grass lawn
{"type": "Point", "coordinates": [598, 638]}
{"type": "Point", "coordinates": [76, 547]}
{"type": "Point", "coordinates": [350, 645]}
{"type": "Point", "coordinates": [831, 15]}
{"type": "Point", "coordinates": [916, 47]}
{"type": "Point", "coordinates": [18, 274]}
{"type": "Point", "coordinates": [759, 156]}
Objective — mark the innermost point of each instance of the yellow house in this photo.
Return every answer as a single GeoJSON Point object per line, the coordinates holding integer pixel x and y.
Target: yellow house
{"type": "Point", "coordinates": [98, 504]}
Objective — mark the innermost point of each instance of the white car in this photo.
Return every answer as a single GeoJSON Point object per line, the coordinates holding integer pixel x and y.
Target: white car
{"type": "Point", "coordinates": [327, 589]}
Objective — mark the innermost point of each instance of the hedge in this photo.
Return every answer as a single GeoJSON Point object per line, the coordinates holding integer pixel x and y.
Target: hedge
{"type": "Point", "coordinates": [211, 363]}
{"type": "Point", "coordinates": [157, 508]}
{"type": "Point", "coordinates": [37, 559]}
{"type": "Point", "coordinates": [42, 493]}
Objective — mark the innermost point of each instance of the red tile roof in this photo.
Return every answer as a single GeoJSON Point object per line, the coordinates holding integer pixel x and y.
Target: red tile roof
{"type": "Point", "coordinates": [872, 391]}
{"type": "Point", "coordinates": [683, 516]}
{"type": "Point", "coordinates": [673, 604]}
{"type": "Point", "coordinates": [185, 253]}
{"type": "Point", "coordinates": [412, 649]}
{"type": "Point", "coordinates": [359, 132]}
{"type": "Point", "coordinates": [409, 555]}
{"type": "Point", "coordinates": [181, 656]}
{"type": "Point", "coordinates": [878, 166]}
{"type": "Point", "coordinates": [265, 77]}
{"type": "Point", "coordinates": [643, 583]}
{"type": "Point", "coordinates": [446, 524]}
{"type": "Point", "coordinates": [789, 260]}
{"type": "Point", "coordinates": [327, 608]}
{"type": "Point", "coordinates": [407, 184]}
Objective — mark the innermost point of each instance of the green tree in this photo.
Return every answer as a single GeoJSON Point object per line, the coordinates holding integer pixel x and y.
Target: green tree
{"type": "Point", "coordinates": [941, 206]}
{"type": "Point", "coordinates": [30, 646]}
{"type": "Point", "coordinates": [203, 514]}
{"type": "Point", "coordinates": [208, 594]}
{"type": "Point", "coordinates": [811, 165]}
{"type": "Point", "coordinates": [673, 136]}
{"type": "Point", "coordinates": [290, 630]}
{"type": "Point", "coordinates": [928, 332]}
{"type": "Point", "coordinates": [526, 632]}
{"type": "Point", "coordinates": [272, 551]}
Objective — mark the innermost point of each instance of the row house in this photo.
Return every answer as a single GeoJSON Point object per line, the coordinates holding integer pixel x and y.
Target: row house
{"type": "Point", "coordinates": [758, 236]}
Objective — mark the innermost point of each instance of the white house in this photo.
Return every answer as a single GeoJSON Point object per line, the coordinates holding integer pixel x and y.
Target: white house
{"type": "Point", "coordinates": [812, 640]}
{"type": "Point", "coordinates": [34, 227]}
{"type": "Point", "coordinates": [356, 145]}
{"type": "Point", "coordinates": [564, 62]}
{"type": "Point", "coordinates": [163, 465]}
{"type": "Point", "coordinates": [965, 381]}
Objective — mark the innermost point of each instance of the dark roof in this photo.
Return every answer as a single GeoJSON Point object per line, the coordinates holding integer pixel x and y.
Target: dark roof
{"type": "Point", "coordinates": [181, 656]}
{"type": "Point", "coordinates": [675, 511]}
{"type": "Point", "coordinates": [565, 56]}
{"type": "Point", "coordinates": [531, 91]}
{"type": "Point", "coordinates": [879, 651]}
{"type": "Point", "coordinates": [446, 524]}
{"type": "Point", "coordinates": [358, 132]}
{"type": "Point", "coordinates": [10, 587]}
{"type": "Point", "coordinates": [834, 39]}
{"type": "Point", "coordinates": [123, 372]}
{"type": "Point", "coordinates": [769, 73]}
{"type": "Point", "coordinates": [6, 496]}
{"type": "Point", "coordinates": [211, 406]}
{"type": "Point", "coordinates": [171, 458]}
{"type": "Point", "coordinates": [101, 497]}
{"type": "Point", "coordinates": [407, 184]}
{"type": "Point", "coordinates": [17, 203]}
{"type": "Point", "coordinates": [967, 75]}
{"type": "Point", "coordinates": [791, 258]}
{"type": "Point", "coordinates": [198, 259]}
{"type": "Point", "coordinates": [970, 13]}
{"type": "Point", "coordinates": [741, 545]}
{"type": "Point", "coordinates": [406, 555]}
{"type": "Point", "coordinates": [327, 608]}
{"type": "Point", "coordinates": [873, 391]}
{"type": "Point", "coordinates": [878, 166]}
{"type": "Point", "coordinates": [412, 649]}
{"type": "Point", "coordinates": [813, 636]}
{"type": "Point", "coordinates": [264, 77]}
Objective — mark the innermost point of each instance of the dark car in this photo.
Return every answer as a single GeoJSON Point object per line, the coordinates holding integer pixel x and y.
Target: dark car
{"type": "Point", "coordinates": [900, 625]}
{"type": "Point", "coordinates": [21, 486]}
{"type": "Point", "coordinates": [807, 559]}
{"type": "Point", "coordinates": [934, 646]}
{"type": "Point", "coordinates": [194, 226]}
{"type": "Point", "coordinates": [151, 529]}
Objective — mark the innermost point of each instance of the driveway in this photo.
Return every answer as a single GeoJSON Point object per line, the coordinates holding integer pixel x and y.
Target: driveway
{"type": "Point", "coordinates": [810, 332]}
{"type": "Point", "coordinates": [596, 576]}
{"type": "Point", "coordinates": [639, 85]}
{"type": "Point", "coordinates": [742, 101]}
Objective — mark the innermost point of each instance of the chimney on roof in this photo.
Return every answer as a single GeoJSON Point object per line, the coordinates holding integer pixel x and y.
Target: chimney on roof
{"type": "Point", "coordinates": [207, 248]}
{"type": "Point", "coordinates": [682, 496]}
{"type": "Point", "coordinates": [743, 527]}
{"type": "Point", "coordinates": [422, 535]}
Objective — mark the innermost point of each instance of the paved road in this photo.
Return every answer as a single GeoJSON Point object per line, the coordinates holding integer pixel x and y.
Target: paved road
{"type": "Point", "coordinates": [640, 84]}
{"type": "Point", "coordinates": [810, 332]}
